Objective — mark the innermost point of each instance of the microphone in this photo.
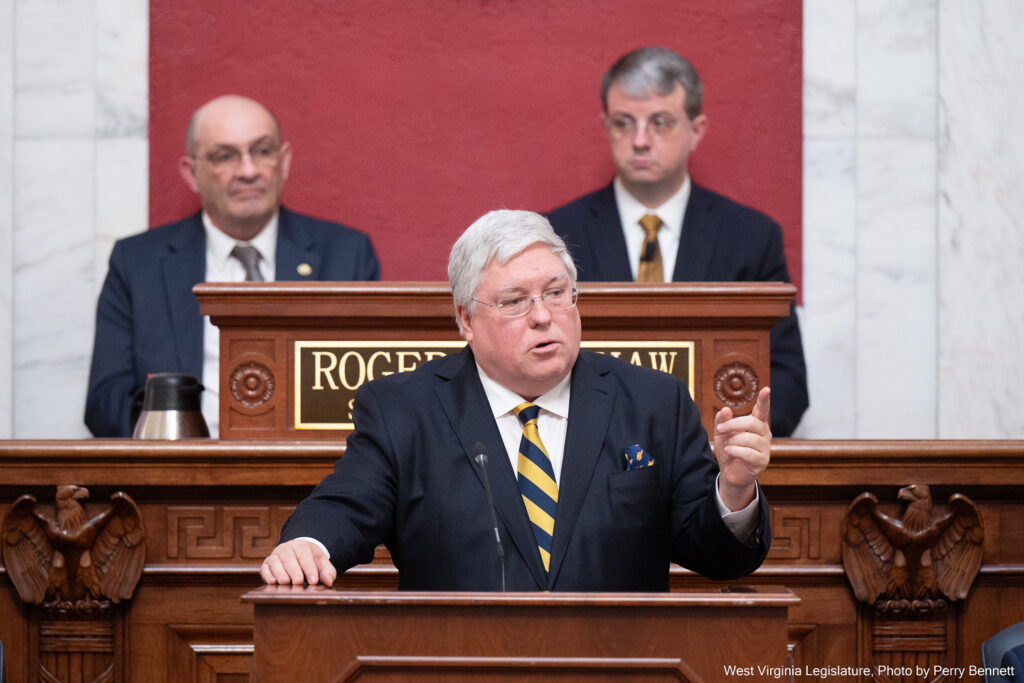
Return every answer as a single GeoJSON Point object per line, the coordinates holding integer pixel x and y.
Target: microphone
{"type": "Point", "coordinates": [481, 459]}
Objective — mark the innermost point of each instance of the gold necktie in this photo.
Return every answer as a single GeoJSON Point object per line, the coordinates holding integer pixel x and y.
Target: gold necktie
{"type": "Point", "coordinates": [537, 481]}
{"type": "Point", "coordinates": [650, 256]}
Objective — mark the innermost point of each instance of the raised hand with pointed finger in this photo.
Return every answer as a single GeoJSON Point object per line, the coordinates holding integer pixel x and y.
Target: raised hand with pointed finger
{"type": "Point", "coordinates": [743, 449]}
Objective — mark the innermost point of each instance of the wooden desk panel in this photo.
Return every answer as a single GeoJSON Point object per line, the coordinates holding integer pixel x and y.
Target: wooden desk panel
{"type": "Point", "coordinates": [212, 509]}
{"type": "Point", "coordinates": [315, 634]}
{"type": "Point", "coordinates": [260, 323]}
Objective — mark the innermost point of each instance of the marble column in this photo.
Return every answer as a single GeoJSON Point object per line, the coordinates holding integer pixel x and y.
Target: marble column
{"type": "Point", "coordinates": [980, 220]}
{"type": "Point", "coordinates": [828, 316]}
{"type": "Point", "coordinates": [79, 142]}
{"type": "Point", "coordinates": [6, 218]}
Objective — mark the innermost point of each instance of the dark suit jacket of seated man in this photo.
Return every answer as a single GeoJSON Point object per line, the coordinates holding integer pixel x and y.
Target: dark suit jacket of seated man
{"type": "Point", "coordinates": [409, 480]}
{"type": "Point", "coordinates": [722, 241]}
{"type": "Point", "coordinates": [147, 318]}
{"type": "Point", "coordinates": [652, 110]}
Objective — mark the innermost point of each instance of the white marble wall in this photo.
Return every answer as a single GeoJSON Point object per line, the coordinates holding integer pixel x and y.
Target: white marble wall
{"type": "Point", "coordinates": [913, 297]}
{"type": "Point", "coordinates": [912, 290]}
{"type": "Point", "coordinates": [980, 210]}
{"type": "Point", "coordinates": [6, 218]}
{"type": "Point", "coordinates": [78, 166]}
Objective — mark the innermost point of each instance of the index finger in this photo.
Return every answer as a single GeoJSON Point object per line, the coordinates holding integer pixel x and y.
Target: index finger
{"type": "Point", "coordinates": [762, 409]}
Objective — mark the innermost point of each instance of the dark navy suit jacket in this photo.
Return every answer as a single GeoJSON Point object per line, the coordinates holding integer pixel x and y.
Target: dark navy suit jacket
{"type": "Point", "coordinates": [408, 480]}
{"type": "Point", "coordinates": [722, 241]}
{"type": "Point", "coordinates": [147, 319]}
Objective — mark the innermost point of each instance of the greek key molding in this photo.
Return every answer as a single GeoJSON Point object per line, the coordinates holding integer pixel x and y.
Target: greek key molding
{"type": "Point", "coordinates": [796, 534]}
{"type": "Point", "coordinates": [224, 532]}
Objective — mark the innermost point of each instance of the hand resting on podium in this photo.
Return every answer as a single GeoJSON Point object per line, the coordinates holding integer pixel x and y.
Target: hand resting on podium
{"type": "Point", "coordinates": [298, 561]}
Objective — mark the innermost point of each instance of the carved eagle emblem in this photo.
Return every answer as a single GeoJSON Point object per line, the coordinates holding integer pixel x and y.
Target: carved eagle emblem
{"type": "Point", "coordinates": [913, 561]}
{"type": "Point", "coordinates": [74, 563]}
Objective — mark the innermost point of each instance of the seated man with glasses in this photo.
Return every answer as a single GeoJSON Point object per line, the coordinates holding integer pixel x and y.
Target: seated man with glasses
{"type": "Point", "coordinates": [653, 224]}
{"type": "Point", "coordinates": [147, 319]}
{"type": "Point", "coordinates": [599, 472]}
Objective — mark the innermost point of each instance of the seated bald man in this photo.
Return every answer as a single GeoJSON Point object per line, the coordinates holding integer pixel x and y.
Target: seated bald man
{"type": "Point", "coordinates": [147, 319]}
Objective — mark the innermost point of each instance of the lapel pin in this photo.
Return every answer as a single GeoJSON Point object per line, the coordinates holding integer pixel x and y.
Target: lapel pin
{"type": "Point", "coordinates": [304, 269]}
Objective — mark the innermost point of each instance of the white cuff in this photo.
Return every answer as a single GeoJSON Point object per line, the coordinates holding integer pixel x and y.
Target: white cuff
{"type": "Point", "coordinates": [742, 523]}
{"type": "Point", "coordinates": [320, 545]}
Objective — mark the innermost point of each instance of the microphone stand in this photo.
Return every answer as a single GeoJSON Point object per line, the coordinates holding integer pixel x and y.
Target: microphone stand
{"type": "Point", "coordinates": [481, 459]}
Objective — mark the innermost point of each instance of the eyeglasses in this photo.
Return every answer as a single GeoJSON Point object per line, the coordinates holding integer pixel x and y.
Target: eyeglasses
{"type": "Point", "coordinates": [658, 126]}
{"type": "Point", "coordinates": [261, 154]}
{"type": "Point", "coordinates": [556, 299]}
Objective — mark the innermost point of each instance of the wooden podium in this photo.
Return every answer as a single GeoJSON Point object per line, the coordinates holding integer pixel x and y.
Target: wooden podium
{"type": "Point", "coordinates": [292, 354]}
{"type": "Point", "coordinates": [318, 634]}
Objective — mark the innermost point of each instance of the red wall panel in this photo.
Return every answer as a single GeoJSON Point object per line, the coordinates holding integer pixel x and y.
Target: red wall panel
{"type": "Point", "coordinates": [411, 118]}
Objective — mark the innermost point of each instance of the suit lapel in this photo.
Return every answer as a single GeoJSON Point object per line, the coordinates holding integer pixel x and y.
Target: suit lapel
{"type": "Point", "coordinates": [183, 267]}
{"type": "Point", "coordinates": [698, 238]}
{"type": "Point", "coordinates": [590, 410]}
{"type": "Point", "coordinates": [464, 402]}
{"type": "Point", "coordinates": [610, 257]}
{"type": "Point", "coordinates": [297, 256]}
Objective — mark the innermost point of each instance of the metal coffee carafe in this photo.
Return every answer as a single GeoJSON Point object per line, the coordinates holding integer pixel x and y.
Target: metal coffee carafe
{"type": "Point", "coordinates": [170, 408]}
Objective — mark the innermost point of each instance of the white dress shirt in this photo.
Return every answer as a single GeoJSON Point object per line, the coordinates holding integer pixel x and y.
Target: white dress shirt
{"type": "Point", "coordinates": [552, 421]}
{"type": "Point", "coordinates": [671, 215]}
{"type": "Point", "coordinates": [222, 267]}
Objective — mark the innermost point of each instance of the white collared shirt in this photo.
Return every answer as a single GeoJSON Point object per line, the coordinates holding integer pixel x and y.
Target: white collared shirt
{"type": "Point", "coordinates": [552, 421]}
{"type": "Point", "coordinates": [671, 215]}
{"type": "Point", "coordinates": [221, 267]}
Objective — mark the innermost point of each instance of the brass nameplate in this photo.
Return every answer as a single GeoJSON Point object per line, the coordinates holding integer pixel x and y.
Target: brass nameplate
{"type": "Point", "coordinates": [328, 373]}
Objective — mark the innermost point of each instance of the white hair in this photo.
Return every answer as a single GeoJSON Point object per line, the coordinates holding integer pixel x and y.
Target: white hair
{"type": "Point", "coordinates": [497, 236]}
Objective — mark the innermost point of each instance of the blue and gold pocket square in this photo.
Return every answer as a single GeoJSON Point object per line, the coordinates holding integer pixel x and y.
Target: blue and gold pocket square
{"type": "Point", "coordinates": [637, 457]}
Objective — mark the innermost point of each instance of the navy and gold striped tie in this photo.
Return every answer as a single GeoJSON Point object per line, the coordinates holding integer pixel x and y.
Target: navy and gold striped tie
{"type": "Point", "coordinates": [537, 481]}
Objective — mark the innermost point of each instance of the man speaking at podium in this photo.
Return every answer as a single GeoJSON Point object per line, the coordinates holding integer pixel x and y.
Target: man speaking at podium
{"type": "Point", "coordinates": [601, 472]}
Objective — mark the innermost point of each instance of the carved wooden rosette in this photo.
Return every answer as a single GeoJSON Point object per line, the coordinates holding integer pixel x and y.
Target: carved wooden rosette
{"type": "Point", "coordinates": [251, 392]}
{"type": "Point", "coordinates": [75, 567]}
{"type": "Point", "coordinates": [252, 384]}
{"type": "Point", "coordinates": [909, 572]}
{"type": "Point", "coordinates": [736, 385]}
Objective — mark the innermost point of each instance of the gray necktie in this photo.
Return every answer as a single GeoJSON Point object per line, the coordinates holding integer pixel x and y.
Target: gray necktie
{"type": "Point", "coordinates": [250, 259]}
